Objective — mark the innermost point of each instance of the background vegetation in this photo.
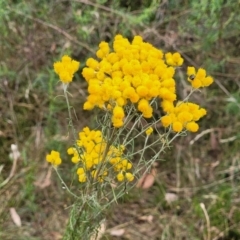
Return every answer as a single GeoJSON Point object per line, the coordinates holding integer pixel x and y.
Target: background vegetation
{"type": "Point", "coordinates": [196, 190]}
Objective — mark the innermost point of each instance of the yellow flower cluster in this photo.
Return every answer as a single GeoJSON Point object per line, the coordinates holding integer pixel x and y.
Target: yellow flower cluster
{"type": "Point", "coordinates": [198, 79]}
{"type": "Point", "coordinates": [66, 68]}
{"type": "Point", "coordinates": [133, 73]}
{"type": "Point", "coordinates": [174, 59]}
{"type": "Point", "coordinates": [54, 158]}
{"type": "Point", "coordinates": [184, 115]}
{"type": "Point", "coordinates": [97, 159]}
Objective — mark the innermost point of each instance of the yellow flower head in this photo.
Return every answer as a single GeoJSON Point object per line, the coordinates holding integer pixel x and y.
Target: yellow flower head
{"type": "Point", "coordinates": [177, 126]}
{"type": "Point", "coordinates": [198, 78]}
{"type": "Point", "coordinates": [129, 176]}
{"type": "Point", "coordinates": [74, 152]}
{"type": "Point", "coordinates": [149, 131]}
{"type": "Point", "coordinates": [183, 116]}
{"type": "Point", "coordinates": [66, 68]}
{"type": "Point", "coordinates": [54, 158]}
{"type": "Point", "coordinates": [174, 59]}
{"type": "Point", "coordinates": [120, 177]}
{"type": "Point", "coordinates": [166, 120]}
{"type": "Point", "coordinates": [192, 127]}
{"type": "Point", "coordinates": [118, 116]}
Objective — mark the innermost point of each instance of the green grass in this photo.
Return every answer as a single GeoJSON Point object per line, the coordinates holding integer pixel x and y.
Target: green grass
{"type": "Point", "coordinates": [36, 33]}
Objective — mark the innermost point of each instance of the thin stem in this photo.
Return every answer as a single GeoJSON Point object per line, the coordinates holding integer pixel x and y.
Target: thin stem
{"type": "Point", "coordinates": [110, 137]}
{"type": "Point", "coordinates": [64, 184]}
{"type": "Point", "coordinates": [69, 110]}
{"type": "Point", "coordinates": [207, 220]}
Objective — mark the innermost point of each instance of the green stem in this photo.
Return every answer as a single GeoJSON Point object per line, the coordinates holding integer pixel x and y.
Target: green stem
{"type": "Point", "coordinates": [69, 111]}
{"type": "Point", "coordinates": [64, 184]}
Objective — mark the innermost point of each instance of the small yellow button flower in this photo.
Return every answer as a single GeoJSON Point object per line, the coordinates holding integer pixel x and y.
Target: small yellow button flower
{"type": "Point", "coordinates": [145, 108]}
{"type": "Point", "coordinates": [142, 91]}
{"type": "Point", "coordinates": [74, 152]}
{"type": "Point", "coordinates": [149, 131]}
{"type": "Point", "coordinates": [184, 116]}
{"type": "Point", "coordinates": [92, 63]}
{"type": "Point", "coordinates": [167, 106]}
{"type": "Point", "coordinates": [129, 176]}
{"type": "Point", "coordinates": [54, 158]}
{"type": "Point", "coordinates": [192, 127]}
{"type": "Point", "coordinates": [66, 68]}
{"type": "Point", "coordinates": [118, 116]}
{"type": "Point", "coordinates": [166, 121]}
{"type": "Point", "coordinates": [207, 81]}
{"type": "Point", "coordinates": [81, 175]}
{"type": "Point", "coordinates": [174, 59]}
{"type": "Point", "coordinates": [118, 112]}
{"type": "Point", "coordinates": [88, 73]}
{"type": "Point", "coordinates": [196, 83]}
{"type": "Point", "coordinates": [191, 71]}
{"type": "Point", "coordinates": [117, 123]}
{"type": "Point", "coordinates": [177, 126]}
{"type": "Point", "coordinates": [120, 177]}
{"type": "Point", "coordinates": [82, 178]}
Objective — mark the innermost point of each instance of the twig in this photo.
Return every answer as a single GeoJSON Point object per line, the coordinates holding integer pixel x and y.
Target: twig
{"type": "Point", "coordinates": [201, 135]}
{"type": "Point", "coordinates": [226, 140]}
{"type": "Point", "coordinates": [15, 156]}
{"type": "Point", "coordinates": [61, 31]}
{"type": "Point", "coordinates": [64, 184]}
{"type": "Point", "coordinates": [207, 220]}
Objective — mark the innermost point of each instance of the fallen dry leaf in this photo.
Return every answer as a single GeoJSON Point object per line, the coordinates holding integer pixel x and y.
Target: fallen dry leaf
{"type": "Point", "coordinates": [55, 235]}
{"type": "Point", "coordinates": [148, 218]}
{"type": "Point", "coordinates": [171, 197]}
{"type": "Point", "coordinates": [147, 180]}
{"type": "Point", "coordinates": [15, 217]}
{"type": "Point", "coordinates": [15, 154]}
{"type": "Point", "coordinates": [45, 180]}
{"type": "Point", "coordinates": [117, 232]}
